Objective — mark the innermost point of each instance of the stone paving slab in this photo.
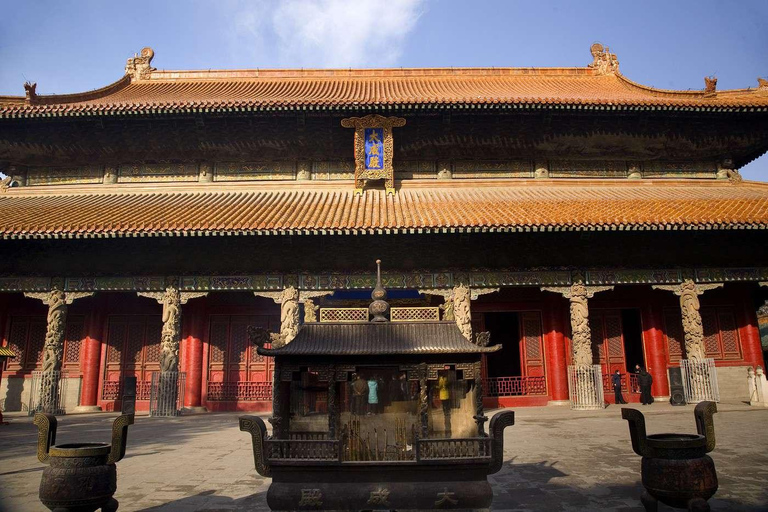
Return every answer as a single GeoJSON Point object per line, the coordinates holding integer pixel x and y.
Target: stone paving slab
{"type": "Point", "coordinates": [555, 460]}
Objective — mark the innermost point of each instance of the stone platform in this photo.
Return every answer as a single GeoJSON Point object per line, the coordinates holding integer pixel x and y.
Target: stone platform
{"type": "Point", "coordinates": [555, 460]}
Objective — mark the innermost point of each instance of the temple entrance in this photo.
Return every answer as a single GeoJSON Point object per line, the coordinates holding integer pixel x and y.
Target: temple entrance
{"type": "Point", "coordinates": [518, 368]}
{"type": "Point", "coordinates": [236, 372]}
{"type": "Point", "coordinates": [133, 350]}
{"type": "Point", "coordinates": [617, 345]}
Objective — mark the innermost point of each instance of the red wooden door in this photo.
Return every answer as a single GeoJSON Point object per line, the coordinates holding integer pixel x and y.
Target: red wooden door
{"type": "Point", "coordinates": [133, 349]}
{"type": "Point", "coordinates": [607, 340]}
{"type": "Point", "coordinates": [531, 350]}
{"type": "Point", "coordinates": [236, 372]}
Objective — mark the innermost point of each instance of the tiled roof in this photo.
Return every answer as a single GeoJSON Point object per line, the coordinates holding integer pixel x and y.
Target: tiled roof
{"type": "Point", "coordinates": [247, 90]}
{"type": "Point", "coordinates": [386, 338]}
{"type": "Point", "coordinates": [420, 206]}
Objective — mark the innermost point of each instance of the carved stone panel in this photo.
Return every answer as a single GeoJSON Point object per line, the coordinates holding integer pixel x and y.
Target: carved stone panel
{"type": "Point", "coordinates": [237, 171]}
{"type": "Point", "coordinates": [136, 173]}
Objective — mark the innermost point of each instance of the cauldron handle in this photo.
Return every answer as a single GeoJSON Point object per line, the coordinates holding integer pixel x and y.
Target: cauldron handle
{"type": "Point", "coordinates": [636, 430]}
{"type": "Point", "coordinates": [499, 422]}
{"type": "Point", "coordinates": [46, 434]}
{"type": "Point", "coordinates": [704, 422]}
{"type": "Point", "coordinates": [119, 437]}
{"type": "Point", "coordinates": [258, 430]}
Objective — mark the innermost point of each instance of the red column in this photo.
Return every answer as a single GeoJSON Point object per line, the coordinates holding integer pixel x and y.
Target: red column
{"type": "Point", "coordinates": [194, 358]}
{"type": "Point", "coordinates": [750, 334]}
{"type": "Point", "coordinates": [655, 349]}
{"type": "Point", "coordinates": [556, 361]}
{"type": "Point", "coordinates": [91, 362]}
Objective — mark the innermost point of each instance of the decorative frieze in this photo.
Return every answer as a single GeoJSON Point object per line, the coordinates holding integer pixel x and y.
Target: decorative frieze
{"type": "Point", "coordinates": [137, 173]}
{"type": "Point", "coordinates": [421, 280]}
{"type": "Point", "coordinates": [492, 169]}
{"type": "Point", "coordinates": [587, 169]}
{"type": "Point", "coordinates": [239, 171]}
{"type": "Point", "coordinates": [680, 170]}
{"type": "Point", "coordinates": [64, 175]}
{"type": "Point", "coordinates": [415, 169]}
{"type": "Point", "coordinates": [333, 170]}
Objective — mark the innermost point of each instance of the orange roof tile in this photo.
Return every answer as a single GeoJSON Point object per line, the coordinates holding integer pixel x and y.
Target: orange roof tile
{"type": "Point", "coordinates": [185, 91]}
{"type": "Point", "coordinates": [419, 206]}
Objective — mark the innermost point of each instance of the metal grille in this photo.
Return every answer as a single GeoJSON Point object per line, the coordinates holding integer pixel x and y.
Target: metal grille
{"type": "Point", "coordinates": [700, 380]}
{"type": "Point", "coordinates": [344, 314]}
{"type": "Point", "coordinates": [167, 394]}
{"type": "Point", "coordinates": [414, 314]}
{"type": "Point", "coordinates": [515, 386]}
{"type": "Point", "coordinates": [585, 384]}
{"type": "Point", "coordinates": [46, 394]}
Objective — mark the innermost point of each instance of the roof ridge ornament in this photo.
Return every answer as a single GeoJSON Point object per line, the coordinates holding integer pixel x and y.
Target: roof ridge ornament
{"type": "Point", "coordinates": [710, 85]}
{"type": "Point", "coordinates": [138, 67]}
{"type": "Point", "coordinates": [30, 91]}
{"type": "Point", "coordinates": [762, 84]}
{"type": "Point", "coordinates": [379, 307]}
{"type": "Point", "coordinates": [603, 61]}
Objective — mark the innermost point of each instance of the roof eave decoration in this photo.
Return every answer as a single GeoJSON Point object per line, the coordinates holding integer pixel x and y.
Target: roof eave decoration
{"type": "Point", "coordinates": [604, 62]}
{"type": "Point", "coordinates": [138, 67]}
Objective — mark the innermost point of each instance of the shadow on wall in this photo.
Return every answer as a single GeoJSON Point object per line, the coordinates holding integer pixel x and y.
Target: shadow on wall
{"type": "Point", "coordinates": [11, 401]}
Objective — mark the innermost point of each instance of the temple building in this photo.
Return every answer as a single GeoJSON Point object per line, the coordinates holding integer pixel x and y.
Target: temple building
{"type": "Point", "coordinates": [572, 216]}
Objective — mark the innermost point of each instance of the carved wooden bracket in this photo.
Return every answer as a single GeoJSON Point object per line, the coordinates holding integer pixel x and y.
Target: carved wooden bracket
{"type": "Point", "coordinates": [566, 291]}
{"type": "Point", "coordinates": [677, 289]}
{"type": "Point", "coordinates": [184, 297]}
{"type": "Point", "coordinates": [69, 297]}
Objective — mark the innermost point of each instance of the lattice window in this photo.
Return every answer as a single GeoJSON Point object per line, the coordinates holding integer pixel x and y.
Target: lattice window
{"type": "Point", "coordinates": [37, 329]}
{"type": "Point", "coordinates": [730, 336]}
{"type": "Point", "coordinates": [709, 322]}
{"type": "Point", "coordinates": [596, 332]}
{"type": "Point", "coordinates": [218, 341]}
{"type": "Point", "coordinates": [532, 339]}
{"type": "Point", "coordinates": [613, 334]}
{"type": "Point", "coordinates": [153, 343]}
{"type": "Point", "coordinates": [673, 331]}
{"type": "Point", "coordinates": [17, 340]}
{"type": "Point", "coordinates": [344, 314]}
{"type": "Point", "coordinates": [73, 341]}
{"type": "Point", "coordinates": [239, 343]}
{"type": "Point", "coordinates": [415, 314]}
{"type": "Point", "coordinates": [116, 342]}
{"type": "Point", "coordinates": [135, 342]}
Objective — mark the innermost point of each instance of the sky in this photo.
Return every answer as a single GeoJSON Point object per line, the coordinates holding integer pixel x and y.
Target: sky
{"type": "Point", "coordinates": [72, 46]}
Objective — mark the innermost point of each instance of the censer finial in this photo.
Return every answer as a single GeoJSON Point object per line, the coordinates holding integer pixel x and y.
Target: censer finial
{"type": "Point", "coordinates": [379, 307]}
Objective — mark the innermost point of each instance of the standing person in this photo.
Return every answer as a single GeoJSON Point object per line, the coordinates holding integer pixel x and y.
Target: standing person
{"type": "Point", "coordinates": [637, 373]}
{"type": "Point", "coordinates": [645, 380]}
{"type": "Point", "coordinates": [373, 394]}
{"type": "Point", "coordinates": [359, 392]}
{"type": "Point", "coordinates": [616, 379]}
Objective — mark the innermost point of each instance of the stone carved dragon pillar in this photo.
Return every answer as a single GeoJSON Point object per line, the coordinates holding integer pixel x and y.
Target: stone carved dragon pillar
{"type": "Point", "coordinates": [693, 330]}
{"type": "Point", "coordinates": [53, 349]}
{"type": "Point", "coordinates": [462, 311]}
{"type": "Point", "coordinates": [170, 337]}
{"type": "Point", "coordinates": [289, 311]}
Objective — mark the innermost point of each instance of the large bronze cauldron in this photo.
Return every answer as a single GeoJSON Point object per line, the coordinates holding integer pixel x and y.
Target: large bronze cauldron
{"type": "Point", "coordinates": [81, 477]}
{"type": "Point", "coordinates": [676, 469]}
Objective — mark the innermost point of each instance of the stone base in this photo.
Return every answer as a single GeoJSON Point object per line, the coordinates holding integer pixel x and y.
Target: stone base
{"type": "Point", "coordinates": [559, 402]}
{"type": "Point", "coordinates": [83, 409]}
{"type": "Point", "coordinates": [660, 398]}
{"type": "Point", "coordinates": [193, 410]}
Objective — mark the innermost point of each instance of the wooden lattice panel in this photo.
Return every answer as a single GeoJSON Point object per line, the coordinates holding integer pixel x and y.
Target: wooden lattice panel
{"type": "Point", "coordinates": [415, 314]}
{"type": "Point", "coordinates": [344, 315]}
{"type": "Point", "coordinates": [730, 336]}
{"type": "Point", "coordinates": [673, 331]}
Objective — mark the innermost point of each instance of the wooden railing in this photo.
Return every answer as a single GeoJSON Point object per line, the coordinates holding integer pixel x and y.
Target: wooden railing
{"type": "Point", "coordinates": [244, 391]}
{"type": "Point", "coordinates": [452, 449]}
{"type": "Point", "coordinates": [113, 390]}
{"type": "Point", "coordinates": [515, 386]}
{"type": "Point", "coordinates": [634, 387]}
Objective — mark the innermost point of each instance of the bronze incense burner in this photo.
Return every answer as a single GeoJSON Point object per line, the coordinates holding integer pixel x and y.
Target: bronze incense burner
{"type": "Point", "coordinates": [676, 469]}
{"type": "Point", "coordinates": [81, 477]}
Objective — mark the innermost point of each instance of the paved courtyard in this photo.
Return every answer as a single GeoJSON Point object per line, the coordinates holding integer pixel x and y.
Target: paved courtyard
{"type": "Point", "coordinates": [555, 459]}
